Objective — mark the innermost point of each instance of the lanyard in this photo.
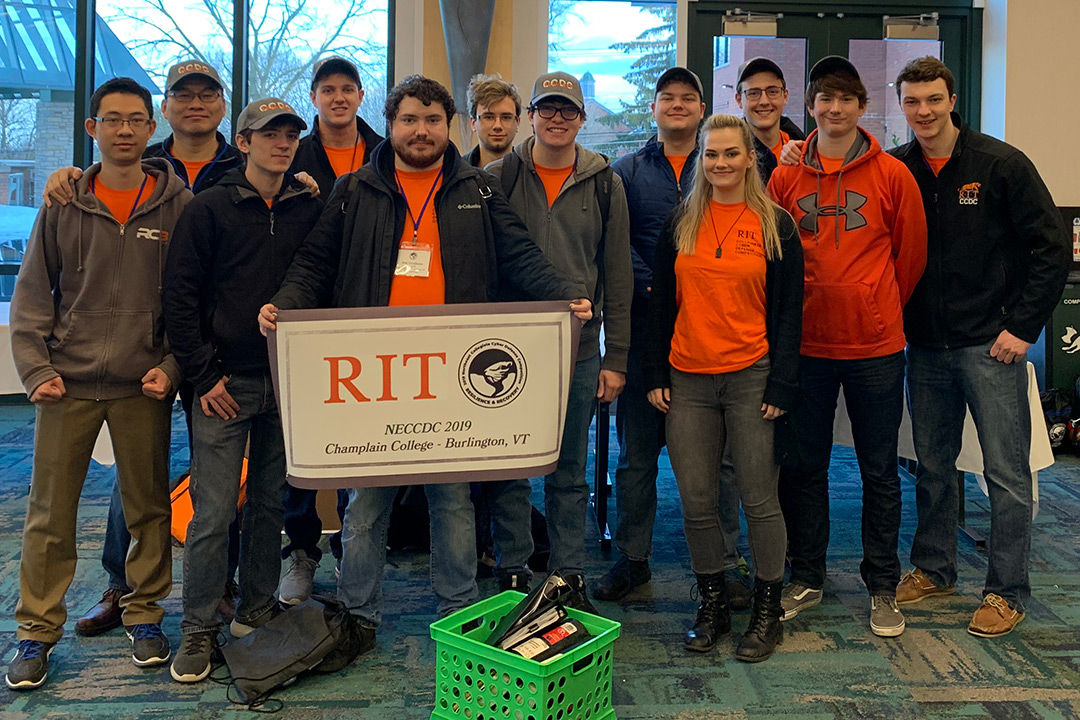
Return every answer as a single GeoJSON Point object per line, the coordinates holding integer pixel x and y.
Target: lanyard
{"type": "Point", "coordinates": [146, 176]}
{"type": "Point", "coordinates": [417, 218]}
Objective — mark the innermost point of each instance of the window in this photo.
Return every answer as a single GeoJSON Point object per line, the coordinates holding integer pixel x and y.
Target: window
{"type": "Point", "coordinates": [879, 62]}
{"type": "Point", "coordinates": [287, 37]}
{"type": "Point", "coordinates": [618, 50]}
{"type": "Point", "coordinates": [721, 52]}
{"type": "Point", "coordinates": [37, 84]}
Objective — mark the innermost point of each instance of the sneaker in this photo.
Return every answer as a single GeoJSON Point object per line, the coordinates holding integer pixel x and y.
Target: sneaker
{"type": "Point", "coordinates": [622, 578]}
{"type": "Point", "coordinates": [149, 646]}
{"type": "Point", "coordinates": [520, 581]}
{"type": "Point", "coordinates": [193, 659]}
{"type": "Point", "coordinates": [796, 597]}
{"type": "Point", "coordinates": [295, 587]}
{"type": "Point", "coordinates": [240, 629]}
{"type": "Point", "coordinates": [30, 666]}
{"type": "Point", "coordinates": [579, 598]}
{"type": "Point", "coordinates": [886, 620]}
{"type": "Point", "coordinates": [740, 587]}
{"type": "Point", "coordinates": [916, 586]}
{"type": "Point", "coordinates": [994, 618]}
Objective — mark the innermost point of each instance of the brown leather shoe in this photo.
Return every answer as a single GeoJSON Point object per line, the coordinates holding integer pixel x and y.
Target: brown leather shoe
{"type": "Point", "coordinates": [103, 617]}
{"type": "Point", "coordinates": [994, 617]}
{"type": "Point", "coordinates": [915, 587]}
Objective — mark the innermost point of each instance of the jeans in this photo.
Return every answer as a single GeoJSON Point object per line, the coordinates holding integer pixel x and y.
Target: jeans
{"type": "Point", "coordinates": [118, 539]}
{"type": "Point", "coordinates": [874, 393]}
{"type": "Point", "coordinates": [566, 491]}
{"type": "Point", "coordinates": [303, 525]}
{"type": "Point", "coordinates": [707, 413]}
{"type": "Point", "coordinates": [941, 385]}
{"type": "Point", "coordinates": [453, 549]}
{"type": "Point", "coordinates": [510, 510]}
{"type": "Point", "coordinates": [640, 429]}
{"type": "Point", "coordinates": [217, 456]}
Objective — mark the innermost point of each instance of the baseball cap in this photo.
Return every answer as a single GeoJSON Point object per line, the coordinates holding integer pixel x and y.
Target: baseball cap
{"type": "Point", "coordinates": [831, 64]}
{"type": "Point", "coordinates": [260, 112]}
{"type": "Point", "coordinates": [679, 74]}
{"type": "Point", "coordinates": [753, 66]}
{"type": "Point", "coordinates": [332, 66]}
{"type": "Point", "coordinates": [558, 84]}
{"type": "Point", "coordinates": [191, 68]}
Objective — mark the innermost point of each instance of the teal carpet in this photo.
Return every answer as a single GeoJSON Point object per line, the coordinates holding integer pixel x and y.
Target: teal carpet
{"type": "Point", "coordinates": [829, 666]}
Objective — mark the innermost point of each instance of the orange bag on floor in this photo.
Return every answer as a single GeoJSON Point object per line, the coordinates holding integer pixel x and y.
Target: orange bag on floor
{"type": "Point", "coordinates": [180, 499]}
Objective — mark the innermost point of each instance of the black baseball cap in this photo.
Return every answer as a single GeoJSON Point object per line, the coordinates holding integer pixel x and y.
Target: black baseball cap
{"type": "Point", "coordinates": [753, 66]}
{"type": "Point", "coordinates": [679, 74]}
{"type": "Point", "coordinates": [831, 65]}
{"type": "Point", "coordinates": [332, 66]}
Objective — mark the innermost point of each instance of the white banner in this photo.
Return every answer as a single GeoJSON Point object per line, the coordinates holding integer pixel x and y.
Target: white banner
{"type": "Point", "coordinates": [416, 395]}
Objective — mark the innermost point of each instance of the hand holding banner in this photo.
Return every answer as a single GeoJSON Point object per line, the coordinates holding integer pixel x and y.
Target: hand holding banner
{"type": "Point", "coordinates": [414, 395]}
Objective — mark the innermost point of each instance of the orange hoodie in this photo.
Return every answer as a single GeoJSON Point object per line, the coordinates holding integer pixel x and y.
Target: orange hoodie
{"type": "Point", "coordinates": [863, 232]}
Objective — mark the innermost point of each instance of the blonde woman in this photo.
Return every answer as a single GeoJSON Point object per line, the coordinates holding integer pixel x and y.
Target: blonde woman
{"type": "Point", "coordinates": [724, 329]}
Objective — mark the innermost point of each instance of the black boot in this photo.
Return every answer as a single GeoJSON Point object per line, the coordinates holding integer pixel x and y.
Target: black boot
{"type": "Point", "coordinates": [713, 615]}
{"type": "Point", "coordinates": [765, 631]}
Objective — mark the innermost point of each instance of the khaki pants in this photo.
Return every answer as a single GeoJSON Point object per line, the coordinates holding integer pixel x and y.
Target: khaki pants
{"type": "Point", "coordinates": [63, 442]}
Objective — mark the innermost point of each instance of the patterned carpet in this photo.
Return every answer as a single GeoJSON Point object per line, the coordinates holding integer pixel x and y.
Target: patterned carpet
{"type": "Point", "coordinates": [829, 666]}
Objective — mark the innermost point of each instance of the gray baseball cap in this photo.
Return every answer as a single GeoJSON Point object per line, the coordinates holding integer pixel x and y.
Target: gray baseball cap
{"type": "Point", "coordinates": [191, 68]}
{"type": "Point", "coordinates": [259, 113]}
{"type": "Point", "coordinates": [332, 66]}
{"type": "Point", "coordinates": [679, 74]}
{"type": "Point", "coordinates": [753, 66]}
{"type": "Point", "coordinates": [558, 84]}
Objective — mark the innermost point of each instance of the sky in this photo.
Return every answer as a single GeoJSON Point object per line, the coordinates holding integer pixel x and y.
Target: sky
{"type": "Point", "coordinates": [585, 46]}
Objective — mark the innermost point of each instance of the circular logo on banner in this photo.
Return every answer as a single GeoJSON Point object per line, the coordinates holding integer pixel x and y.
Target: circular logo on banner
{"type": "Point", "coordinates": [492, 373]}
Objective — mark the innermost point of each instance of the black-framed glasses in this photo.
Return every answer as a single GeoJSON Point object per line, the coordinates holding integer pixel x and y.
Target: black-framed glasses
{"type": "Point", "coordinates": [568, 112]}
{"type": "Point", "coordinates": [772, 92]}
{"type": "Point", "coordinates": [114, 123]}
{"type": "Point", "coordinates": [185, 96]}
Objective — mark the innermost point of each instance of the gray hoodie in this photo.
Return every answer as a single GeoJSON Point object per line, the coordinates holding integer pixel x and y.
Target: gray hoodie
{"type": "Point", "coordinates": [573, 237]}
{"type": "Point", "coordinates": [87, 303]}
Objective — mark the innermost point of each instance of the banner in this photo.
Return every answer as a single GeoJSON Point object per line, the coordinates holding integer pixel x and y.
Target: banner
{"type": "Point", "coordinates": [417, 395]}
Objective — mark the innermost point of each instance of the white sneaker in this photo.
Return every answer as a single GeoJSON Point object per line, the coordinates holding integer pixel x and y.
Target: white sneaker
{"type": "Point", "coordinates": [295, 586]}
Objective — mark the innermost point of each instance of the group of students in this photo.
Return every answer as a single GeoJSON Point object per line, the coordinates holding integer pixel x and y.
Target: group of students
{"type": "Point", "coordinates": [740, 276]}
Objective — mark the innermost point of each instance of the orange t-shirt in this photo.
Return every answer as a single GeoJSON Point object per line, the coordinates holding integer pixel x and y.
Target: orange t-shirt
{"type": "Point", "coordinates": [678, 162]}
{"type": "Point", "coordinates": [121, 202]}
{"type": "Point", "coordinates": [936, 163]}
{"type": "Point", "coordinates": [553, 179]}
{"type": "Point", "coordinates": [430, 290]}
{"type": "Point", "coordinates": [345, 160]}
{"type": "Point", "coordinates": [779, 147]}
{"type": "Point", "coordinates": [720, 325]}
{"type": "Point", "coordinates": [193, 169]}
{"type": "Point", "coordinates": [830, 164]}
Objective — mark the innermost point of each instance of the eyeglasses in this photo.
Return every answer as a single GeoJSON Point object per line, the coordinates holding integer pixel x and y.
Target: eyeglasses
{"type": "Point", "coordinates": [489, 118]}
{"type": "Point", "coordinates": [114, 123]}
{"type": "Point", "coordinates": [547, 112]}
{"type": "Point", "coordinates": [772, 92]}
{"type": "Point", "coordinates": [206, 96]}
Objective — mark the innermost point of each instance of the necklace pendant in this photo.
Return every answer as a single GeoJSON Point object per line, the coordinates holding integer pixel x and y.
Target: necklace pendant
{"type": "Point", "coordinates": [718, 252]}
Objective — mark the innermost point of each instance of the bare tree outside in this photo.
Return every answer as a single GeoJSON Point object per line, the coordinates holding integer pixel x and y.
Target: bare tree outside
{"type": "Point", "coordinates": [18, 123]}
{"type": "Point", "coordinates": [286, 38]}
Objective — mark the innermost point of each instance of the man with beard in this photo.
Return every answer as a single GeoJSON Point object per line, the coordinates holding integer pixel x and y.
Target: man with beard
{"type": "Point", "coordinates": [495, 116]}
{"type": "Point", "coordinates": [417, 196]}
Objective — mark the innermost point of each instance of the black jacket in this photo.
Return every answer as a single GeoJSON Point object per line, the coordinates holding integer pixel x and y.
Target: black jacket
{"type": "Point", "coordinates": [652, 192]}
{"type": "Point", "coordinates": [311, 156]}
{"type": "Point", "coordinates": [226, 159]}
{"type": "Point", "coordinates": [473, 158]}
{"type": "Point", "coordinates": [227, 257]}
{"type": "Point", "coordinates": [783, 315]}
{"type": "Point", "coordinates": [348, 259]}
{"type": "Point", "coordinates": [766, 161]}
{"type": "Point", "coordinates": [998, 249]}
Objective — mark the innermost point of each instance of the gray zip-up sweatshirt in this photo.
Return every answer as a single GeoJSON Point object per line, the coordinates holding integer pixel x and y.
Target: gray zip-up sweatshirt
{"type": "Point", "coordinates": [573, 237]}
{"type": "Point", "coordinates": [87, 303]}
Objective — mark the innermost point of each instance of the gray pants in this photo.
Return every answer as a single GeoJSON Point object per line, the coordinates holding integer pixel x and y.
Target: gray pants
{"type": "Point", "coordinates": [708, 412]}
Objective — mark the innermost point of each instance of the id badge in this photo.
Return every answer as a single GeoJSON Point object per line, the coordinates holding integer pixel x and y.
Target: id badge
{"type": "Point", "coordinates": [413, 260]}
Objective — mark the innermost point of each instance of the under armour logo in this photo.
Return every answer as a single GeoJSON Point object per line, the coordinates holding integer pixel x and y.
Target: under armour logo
{"type": "Point", "coordinates": [853, 219]}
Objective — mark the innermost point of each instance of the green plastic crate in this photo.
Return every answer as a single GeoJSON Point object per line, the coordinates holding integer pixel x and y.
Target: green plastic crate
{"type": "Point", "coordinates": [476, 681]}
